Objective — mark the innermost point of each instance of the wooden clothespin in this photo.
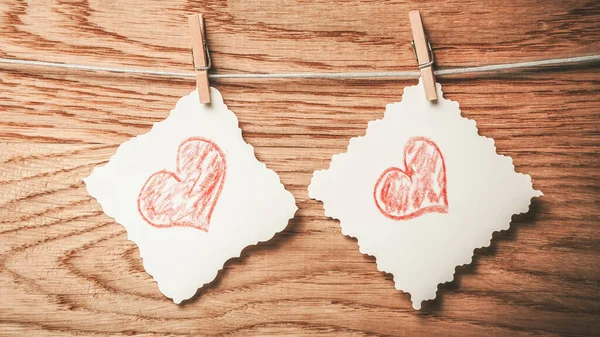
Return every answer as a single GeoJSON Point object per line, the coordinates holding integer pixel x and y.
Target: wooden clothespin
{"type": "Point", "coordinates": [200, 56]}
{"type": "Point", "coordinates": [423, 54]}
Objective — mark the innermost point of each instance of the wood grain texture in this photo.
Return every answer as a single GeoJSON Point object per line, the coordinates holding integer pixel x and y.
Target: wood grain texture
{"type": "Point", "coordinates": [67, 269]}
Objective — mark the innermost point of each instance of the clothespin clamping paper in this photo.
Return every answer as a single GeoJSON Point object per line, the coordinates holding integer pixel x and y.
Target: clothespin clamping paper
{"type": "Point", "coordinates": [200, 56]}
{"type": "Point", "coordinates": [423, 54]}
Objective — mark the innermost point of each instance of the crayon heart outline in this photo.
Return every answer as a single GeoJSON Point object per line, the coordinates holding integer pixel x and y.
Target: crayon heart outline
{"type": "Point", "coordinates": [417, 189]}
{"type": "Point", "coordinates": [188, 196]}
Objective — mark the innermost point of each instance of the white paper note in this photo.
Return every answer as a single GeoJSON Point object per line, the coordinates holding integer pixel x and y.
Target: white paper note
{"type": "Point", "coordinates": [191, 195]}
{"type": "Point", "coordinates": [421, 190]}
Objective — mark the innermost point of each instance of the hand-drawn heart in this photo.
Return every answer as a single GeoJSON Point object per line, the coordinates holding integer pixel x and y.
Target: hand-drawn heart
{"type": "Point", "coordinates": [187, 196]}
{"type": "Point", "coordinates": [419, 189]}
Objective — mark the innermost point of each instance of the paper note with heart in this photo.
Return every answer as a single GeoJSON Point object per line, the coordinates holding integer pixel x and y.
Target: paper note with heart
{"type": "Point", "coordinates": [421, 190]}
{"type": "Point", "coordinates": [191, 195]}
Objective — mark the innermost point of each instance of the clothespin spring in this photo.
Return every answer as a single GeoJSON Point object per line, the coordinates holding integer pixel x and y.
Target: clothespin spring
{"type": "Point", "coordinates": [208, 60]}
{"type": "Point", "coordinates": [431, 56]}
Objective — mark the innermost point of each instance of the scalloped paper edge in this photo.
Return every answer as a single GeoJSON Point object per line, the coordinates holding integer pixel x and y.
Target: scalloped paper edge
{"type": "Point", "coordinates": [195, 119]}
{"type": "Point", "coordinates": [329, 186]}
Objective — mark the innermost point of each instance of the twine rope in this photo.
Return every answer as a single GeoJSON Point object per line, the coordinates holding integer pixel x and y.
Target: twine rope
{"type": "Point", "coordinates": [315, 75]}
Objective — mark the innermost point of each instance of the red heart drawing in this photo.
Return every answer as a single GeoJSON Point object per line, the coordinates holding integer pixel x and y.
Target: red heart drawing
{"type": "Point", "coordinates": [188, 196]}
{"type": "Point", "coordinates": [418, 189]}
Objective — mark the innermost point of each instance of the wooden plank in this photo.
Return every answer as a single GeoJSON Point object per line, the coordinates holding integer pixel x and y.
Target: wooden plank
{"type": "Point", "coordinates": [66, 269]}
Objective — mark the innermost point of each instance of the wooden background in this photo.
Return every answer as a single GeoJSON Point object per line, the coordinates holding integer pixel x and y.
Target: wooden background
{"type": "Point", "coordinates": [67, 269]}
